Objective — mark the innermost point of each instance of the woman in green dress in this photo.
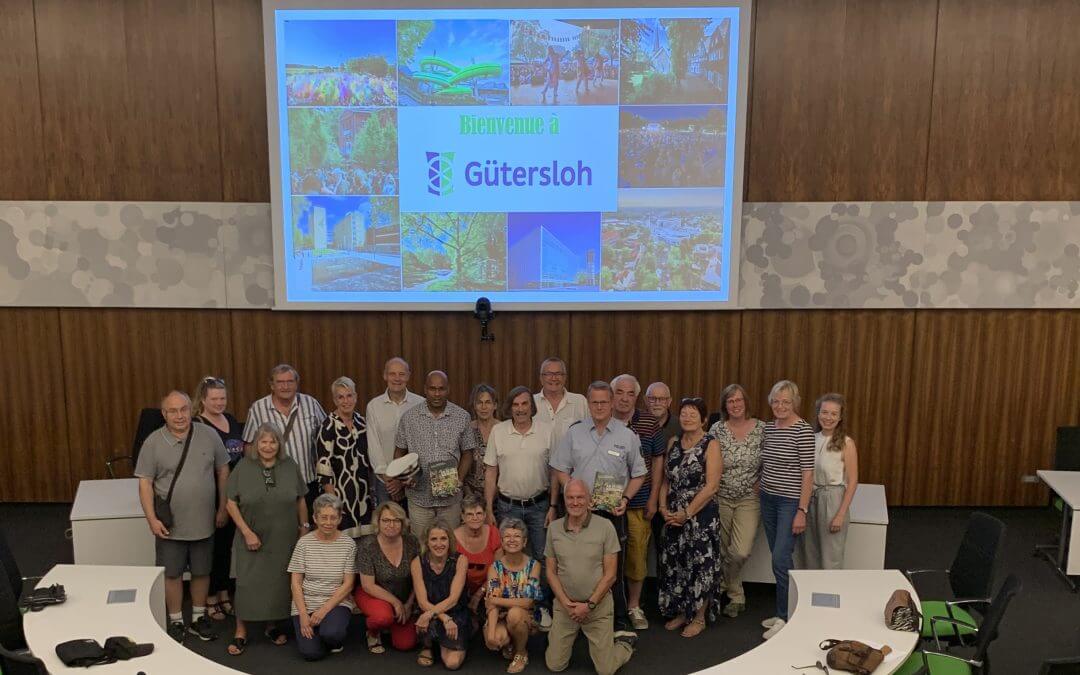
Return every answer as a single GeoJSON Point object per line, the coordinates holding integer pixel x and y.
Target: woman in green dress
{"type": "Point", "coordinates": [266, 501]}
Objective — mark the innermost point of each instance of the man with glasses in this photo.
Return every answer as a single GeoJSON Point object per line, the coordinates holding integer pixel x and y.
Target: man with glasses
{"type": "Point", "coordinates": [658, 402]}
{"type": "Point", "coordinates": [606, 455]}
{"type": "Point", "coordinates": [297, 416]}
{"type": "Point", "coordinates": [187, 541]}
{"type": "Point", "coordinates": [383, 414]}
{"type": "Point", "coordinates": [555, 406]}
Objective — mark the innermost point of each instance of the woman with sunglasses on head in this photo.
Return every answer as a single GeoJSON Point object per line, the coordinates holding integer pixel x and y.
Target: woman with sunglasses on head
{"type": "Point", "coordinates": [208, 407]}
{"type": "Point", "coordinates": [266, 501]}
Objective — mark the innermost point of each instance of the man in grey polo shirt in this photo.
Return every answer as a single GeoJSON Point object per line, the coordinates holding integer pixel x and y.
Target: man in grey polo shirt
{"type": "Point", "coordinates": [581, 554]}
{"type": "Point", "coordinates": [188, 543]}
{"type": "Point", "coordinates": [606, 455]}
{"type": "Point", "coordinates": [297, 416]}
{"type": "Point", "coordinates": [439, 432]}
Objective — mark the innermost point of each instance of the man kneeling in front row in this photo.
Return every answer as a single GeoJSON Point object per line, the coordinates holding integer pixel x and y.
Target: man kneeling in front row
{"type": "Point", "coordinates": [581, 561]}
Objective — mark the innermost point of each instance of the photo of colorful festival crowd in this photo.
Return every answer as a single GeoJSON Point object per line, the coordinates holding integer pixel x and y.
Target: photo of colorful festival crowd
{"type": "Point", "coordinates": [672, 146]}
{"type": "Point", "coordinates": [340, 63]}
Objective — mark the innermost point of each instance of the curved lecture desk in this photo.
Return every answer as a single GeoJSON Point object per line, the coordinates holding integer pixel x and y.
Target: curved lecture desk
{"type": "Point", "coordinates": [860, 616]}
{"type": "Point", "coordinates": [87, 614]}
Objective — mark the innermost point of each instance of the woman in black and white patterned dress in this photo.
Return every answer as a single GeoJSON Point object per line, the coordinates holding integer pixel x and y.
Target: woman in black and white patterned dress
{"type": "Point", "coordinates": [342, 461]}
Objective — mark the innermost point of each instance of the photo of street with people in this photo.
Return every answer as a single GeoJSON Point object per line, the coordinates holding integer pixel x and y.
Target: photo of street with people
{"type": "Point", "coordinates": [663, 240]}
{"type": "Point", "coordinates": [672, 146]}
{"type": "Point", "coordinates": [343, 151]}
{"type": "Point", "coordinates": [674, 60]}
{"type": "Point", "coordinates": [569, 62]}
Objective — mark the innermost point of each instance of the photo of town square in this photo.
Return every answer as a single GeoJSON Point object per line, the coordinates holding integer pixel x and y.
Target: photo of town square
{"type": "Point", "coordinates": [343, 151]}
{"type": "Point", "coordinates": [663, 240]}
{"type": "Point", "coordinates": [340, 63]}
{"type": "Point", "coordinates": [347, 243]}
{"type": "Point", "coordinates": [674, 60]}
{"type": "Point", "coordinates": [568, 62]}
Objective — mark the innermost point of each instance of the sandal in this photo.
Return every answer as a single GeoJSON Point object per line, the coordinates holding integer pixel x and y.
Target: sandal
{"type": "Point", "coordinates": [227, 608]}
{"type": "Point", "coordinates": [508, 652]}
{"type": "Point", "coordinates": [213, 610]}
{"type": "Point", "coordinates": [518, 664]}
{"type": "Point", "coordinates": [374, 644]}
{"type": "Point", "coordinates": [676, 623]}
{"type": "Point", "coordinates": [694, 628]}
{"type": "Point", "coordinates": [425, 658]}
{"type": "Point", "coordinates": [276, 636]}
{"type": "Point", "coordinates": [236, 647]}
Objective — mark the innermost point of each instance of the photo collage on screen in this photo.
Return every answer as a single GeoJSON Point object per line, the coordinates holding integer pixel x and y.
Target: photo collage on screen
{"type": "Point", "coordinates": [346, 79]}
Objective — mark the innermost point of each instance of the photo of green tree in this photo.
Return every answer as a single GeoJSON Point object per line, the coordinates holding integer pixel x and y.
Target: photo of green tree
{"type": "Point", "coordinates": [343, 151]}
{"type": "Point", "coordinates": [453, 251]}
{"type": "Point", "coordinates": [674, 60]}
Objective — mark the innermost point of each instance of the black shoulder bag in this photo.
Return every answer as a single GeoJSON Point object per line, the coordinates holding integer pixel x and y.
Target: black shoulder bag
{"type": "Point", "coordinates": [162, 505]}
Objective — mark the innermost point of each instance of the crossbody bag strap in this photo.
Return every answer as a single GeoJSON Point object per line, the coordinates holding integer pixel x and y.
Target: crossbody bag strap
{"type": "Point", "coordinates": [289, 425]}
{"type": "Point", "coordinates": [180, 466]}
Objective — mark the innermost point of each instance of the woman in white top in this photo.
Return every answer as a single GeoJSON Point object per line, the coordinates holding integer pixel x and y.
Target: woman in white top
{"type": "Point", "coordinates": [836, 475]}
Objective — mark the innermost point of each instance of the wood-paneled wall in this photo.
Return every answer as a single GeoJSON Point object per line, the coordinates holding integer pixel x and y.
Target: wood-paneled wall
{"type": "Point", "coordinates": [947, 407]}
{"type": "Point", "coordinates": [849, 100]}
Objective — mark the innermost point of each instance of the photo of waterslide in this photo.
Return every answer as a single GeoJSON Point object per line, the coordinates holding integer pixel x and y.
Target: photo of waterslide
{"type": "Point", "coordinates": [675, 60]}
{"type": "Point", "coordinates": [340, 63]}
{"type": "Point", "coordinates": [343, 151]}
{"type": "Point", "coordinates": [453, 62]}
{"type": "Point", "coordinates": [564, 62]}
{"type": "Point", "coordinates": [672, 145]}
{"type": "Point", "coordinates": [664, 240]}
{"type": "Point", "coordinates": [453, 251]}
{"type": "Point", "coordinates": [554, 251]}
{"type": "Point", "coordinates": [347, 243]}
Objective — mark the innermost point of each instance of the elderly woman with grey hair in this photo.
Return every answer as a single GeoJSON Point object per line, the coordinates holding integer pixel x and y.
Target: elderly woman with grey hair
{"type": "Point", "coordinates": [341, 460]}
{"type": "Point", "coordinates": [323, 569]}
{"type": "Point", "coordinates": [513, 595]}
{"type": "Point", "coordinates": [266, 501]}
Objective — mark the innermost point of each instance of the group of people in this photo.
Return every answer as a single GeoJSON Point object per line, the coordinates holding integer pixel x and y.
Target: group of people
{"type": "Point", "coordinates": [670, 158]}
{"type": "Point", "coordinates": [347, 180]}
{"type": "Point", "coordinates": [536, 512]}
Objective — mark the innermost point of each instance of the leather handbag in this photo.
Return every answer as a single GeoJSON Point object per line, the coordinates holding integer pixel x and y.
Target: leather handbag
{"type": "Point", "coordinates": [901, 612]}
{"type": "Point", "coordinates": [852, 656]}
{"type": "Point", "coordinates": [163, 505]}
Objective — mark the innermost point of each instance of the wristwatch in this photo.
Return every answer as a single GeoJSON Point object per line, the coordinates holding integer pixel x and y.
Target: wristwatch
{"type": "Point", "coordinates": [805, 512]}
{"type": "Point", "coordinates": [592, 605]}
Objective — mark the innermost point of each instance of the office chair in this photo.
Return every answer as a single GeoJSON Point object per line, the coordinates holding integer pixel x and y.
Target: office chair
{"type": "Point", "coordinates": [1069, 666]}
{"type": "Point", "coordinates": [12, 584]}
{"type": "Point", "coordinates": [926, 662]}
{"type": "Point", "coordinates": [21, 663]}
{"type": "Point", "coordinates": [971, 578]}
{"type": "Point", "coordinates": [150, 420]}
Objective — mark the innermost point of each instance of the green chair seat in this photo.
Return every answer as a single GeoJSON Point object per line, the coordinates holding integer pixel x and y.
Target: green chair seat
{"type": "Point", "coordinates": [936, 608]}
{"type": "Point", "coordinates": [939, 665]}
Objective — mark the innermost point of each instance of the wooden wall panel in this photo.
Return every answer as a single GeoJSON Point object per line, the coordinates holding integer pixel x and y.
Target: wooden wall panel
{"type": "Point", "coordinates": [241, 92]}
{"type": "Point", "coordinates": [694, 353]}
{"type": "Point", "coordinates": [118, 361]}
{"type": "Point", "coordinates": [451, 342]}
{"type": "Point", "coordinates": [322, 346]}
{"type": "Point", "coordinates": [22, 166]}
{"type": "Point", "coordinates": [989, 389]}
{"type": "Point", "coordinates": [841, 100]}
{"type": "Point", "coordinates": [1006, 101]}
{"type": "Point", "coordinates": [864, 355]}
{"type": "Point", "coordinates": [128, 99]}
{"type": "Point", "coordinates": [33, 435]}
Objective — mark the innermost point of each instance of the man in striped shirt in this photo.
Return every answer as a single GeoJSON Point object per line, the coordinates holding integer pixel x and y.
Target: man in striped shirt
{"type": "Point", "coordinates": [296, 415]}
{"type": "Point", "coordinates": [643, 505]}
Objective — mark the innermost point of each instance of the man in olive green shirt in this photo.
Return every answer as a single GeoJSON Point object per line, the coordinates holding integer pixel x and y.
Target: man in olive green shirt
{"type": "Point", "coordinates": [581, 557]}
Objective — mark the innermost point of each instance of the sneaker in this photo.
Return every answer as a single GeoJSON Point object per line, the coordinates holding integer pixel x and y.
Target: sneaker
{"type": "Point", "coordinates": [545, 619]}
{"type": "Point", "coordinates": [338, 649]}
{"type": "Point", "coordinates": [623, 633]}
{"type": "Point", "coordinates": [177, 631]}
{"type": "Point", "coordinates": [637, 618]}
{"type": "Point", "coordinates": [630, 639]}
{"type": "Point", "coordinates": [776, 628]}
{"type": "Point", "coordinates": [734, 609]}
{"type": "Point", "coordinates": [768, 623]}
{"type": "Point", "coordinates": [202, 629]}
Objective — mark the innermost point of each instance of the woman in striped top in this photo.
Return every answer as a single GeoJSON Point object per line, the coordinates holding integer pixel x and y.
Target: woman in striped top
{"type": "Point", "coordinates": [323, 568]}
{"type": "Point", "coordinates": [787, 478]}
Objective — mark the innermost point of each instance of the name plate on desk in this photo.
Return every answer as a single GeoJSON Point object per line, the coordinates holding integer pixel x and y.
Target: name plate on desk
{"type": "Point", "coordinates": [825, 600]}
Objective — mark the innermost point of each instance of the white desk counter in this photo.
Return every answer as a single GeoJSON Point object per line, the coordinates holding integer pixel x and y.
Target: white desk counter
{"type": "Point", "coordinates": [860, 616]}
{"type": "Point", "coordinates": [86, 614]}
{"type": "Point", "coordinates": [108, 526]}
{"type": "Point", "coordinates": [1066, 484]}
{"type": "Point", "coordinates": [865, 548]}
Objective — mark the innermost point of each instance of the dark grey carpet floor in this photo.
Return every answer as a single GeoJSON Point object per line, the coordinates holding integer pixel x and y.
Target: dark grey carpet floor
{"type": "Point", "coordinates": [1044, 622]}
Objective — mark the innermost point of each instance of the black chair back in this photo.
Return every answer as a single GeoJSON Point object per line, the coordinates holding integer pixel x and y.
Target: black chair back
{"type": "Point", "coordinates": [150, 420]}
{"type": "Point", "coordinates": [1067, 449]}
{"type": "Point", "coordinates": [976, 563]}
{"type": "Point", "coordinates": [1070, 666]}
{"type": "Point", "coordinates": [988, 631]}
{"type": "Point", "coordinates": [11, 629]}
{"type": "Point", "coordinates": [12, 663]}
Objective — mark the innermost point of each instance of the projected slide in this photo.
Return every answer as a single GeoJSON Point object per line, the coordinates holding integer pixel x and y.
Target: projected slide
{"type": "Point", "coordinates": [538, 157]}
